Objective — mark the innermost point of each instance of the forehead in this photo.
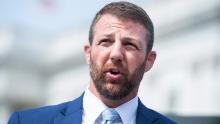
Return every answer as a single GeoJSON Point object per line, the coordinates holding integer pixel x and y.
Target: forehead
{"type": "Point", "coordinates": [108, 24]}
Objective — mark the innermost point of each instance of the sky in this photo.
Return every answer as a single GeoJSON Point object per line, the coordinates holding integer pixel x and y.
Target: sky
{"type": "Point", "coordinates": [49, 15]}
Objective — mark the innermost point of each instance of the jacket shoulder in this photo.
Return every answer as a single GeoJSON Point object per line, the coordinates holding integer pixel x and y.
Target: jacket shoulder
{"type": "Point", "coordinates": [41, 114]}
{"type": "Point", "coordinates": [44, 115]}
{"type": "Point", "coordinates": [148, 115]}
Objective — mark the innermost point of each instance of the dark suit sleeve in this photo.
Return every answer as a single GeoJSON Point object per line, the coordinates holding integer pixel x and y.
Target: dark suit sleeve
{"type": "Point", "coordinates": [14, 119]}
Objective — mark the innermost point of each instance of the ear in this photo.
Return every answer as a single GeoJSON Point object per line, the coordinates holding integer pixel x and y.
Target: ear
{"type": "Point", "coordinates": [87, 50]}
{"type": "Point", "coordinates": [151, 56]}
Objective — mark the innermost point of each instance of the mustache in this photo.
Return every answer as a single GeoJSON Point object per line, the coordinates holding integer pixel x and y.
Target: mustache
{"type": "Point", "coordinates": [120, 67]}
{"type": "Point", "coordinates": [114, 65]}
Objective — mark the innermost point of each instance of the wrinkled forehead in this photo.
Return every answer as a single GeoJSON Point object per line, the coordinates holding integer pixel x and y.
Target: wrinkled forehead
{"type": "Point", "coordinates": [108, 22]}
{"type": "Point", "coordinates": [122, 18]}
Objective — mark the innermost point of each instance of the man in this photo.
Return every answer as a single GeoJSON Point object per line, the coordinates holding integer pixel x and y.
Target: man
{"type": "Point", "coordinates": [119, 53]}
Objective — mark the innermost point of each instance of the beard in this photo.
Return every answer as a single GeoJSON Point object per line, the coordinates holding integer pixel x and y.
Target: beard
{"type": "Point", "coordinates": [115, 89]}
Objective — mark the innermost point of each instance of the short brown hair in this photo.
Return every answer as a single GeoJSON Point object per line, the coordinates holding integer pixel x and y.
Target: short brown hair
{"type": "Point", "coordinates": [126, 10]}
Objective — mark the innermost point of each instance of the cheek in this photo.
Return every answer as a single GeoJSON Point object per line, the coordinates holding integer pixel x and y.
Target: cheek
{"type": "Point", "coordinates": [99, 57]}
{"type": "Point", "coordinates": [134, 62]}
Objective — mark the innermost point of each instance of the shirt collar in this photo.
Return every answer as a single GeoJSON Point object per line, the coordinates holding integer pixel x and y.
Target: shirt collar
{"type": "Point", "coordinates": [91, 104]}
{"type": "Point", "coordinates": [128, 110]}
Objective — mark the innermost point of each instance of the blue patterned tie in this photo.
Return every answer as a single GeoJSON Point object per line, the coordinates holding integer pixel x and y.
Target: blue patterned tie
{"type": "Point", "coordinates": [110, 115]}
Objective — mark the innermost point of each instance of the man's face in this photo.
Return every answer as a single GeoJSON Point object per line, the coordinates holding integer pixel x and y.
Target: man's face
{"type": "Point", "coordinates": [118, 57]}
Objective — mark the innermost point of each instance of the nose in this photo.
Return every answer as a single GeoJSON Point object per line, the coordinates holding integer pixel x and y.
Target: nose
{"type": "Point", "coordinates": [117, 53]}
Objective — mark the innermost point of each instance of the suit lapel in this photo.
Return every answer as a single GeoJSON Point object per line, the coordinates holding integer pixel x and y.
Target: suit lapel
{"type": "Point", "coordinates": [72, 114]}
{"type": "Point", "coordinates": [75, 118]}
{"type": "Point", "coordinates": [144, 115]}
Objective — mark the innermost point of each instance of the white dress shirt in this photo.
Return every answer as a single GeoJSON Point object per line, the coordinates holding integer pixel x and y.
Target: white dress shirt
{"type": "Point", "coordinates": [93, 107]}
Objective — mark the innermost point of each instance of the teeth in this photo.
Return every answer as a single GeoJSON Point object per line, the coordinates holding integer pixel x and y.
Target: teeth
{"type": "Point", "coordinates": [113, 71]}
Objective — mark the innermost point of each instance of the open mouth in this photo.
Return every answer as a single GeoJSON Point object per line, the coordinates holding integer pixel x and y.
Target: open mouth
{"type": "Point", "coordinates": [114, 71]}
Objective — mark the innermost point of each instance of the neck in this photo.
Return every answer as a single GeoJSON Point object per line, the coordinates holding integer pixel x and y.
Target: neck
{"type": "Point", "coordinates": [109, 102]}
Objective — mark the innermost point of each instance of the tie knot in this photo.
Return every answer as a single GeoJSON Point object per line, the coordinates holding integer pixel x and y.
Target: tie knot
{"type": "Point", "coordinates": [110, 115]}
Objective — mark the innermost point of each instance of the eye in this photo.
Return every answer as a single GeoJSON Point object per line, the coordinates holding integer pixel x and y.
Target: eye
{"type": "Point", "coordinates": [130, 46]}
{"type": "Point", "coordinates": [105, 42]}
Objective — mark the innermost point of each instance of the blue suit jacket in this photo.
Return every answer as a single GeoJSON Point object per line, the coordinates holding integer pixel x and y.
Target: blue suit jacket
{"type": "Point", "coordinates": [71, 113]}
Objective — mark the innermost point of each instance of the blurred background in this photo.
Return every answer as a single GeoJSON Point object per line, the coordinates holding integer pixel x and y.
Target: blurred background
{"type": "Point", "coordinates": [42, 62]}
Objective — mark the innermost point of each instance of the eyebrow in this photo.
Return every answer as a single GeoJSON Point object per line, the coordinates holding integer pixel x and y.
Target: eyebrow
{"type": "Point", "coordinates": [124, 38]}
{"type": "Point", "coordinates": [132, 40]}
{"type": "Point", "coordinates": [129, 39]}
{"type": "Point", "coordinates": [111, 36]}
